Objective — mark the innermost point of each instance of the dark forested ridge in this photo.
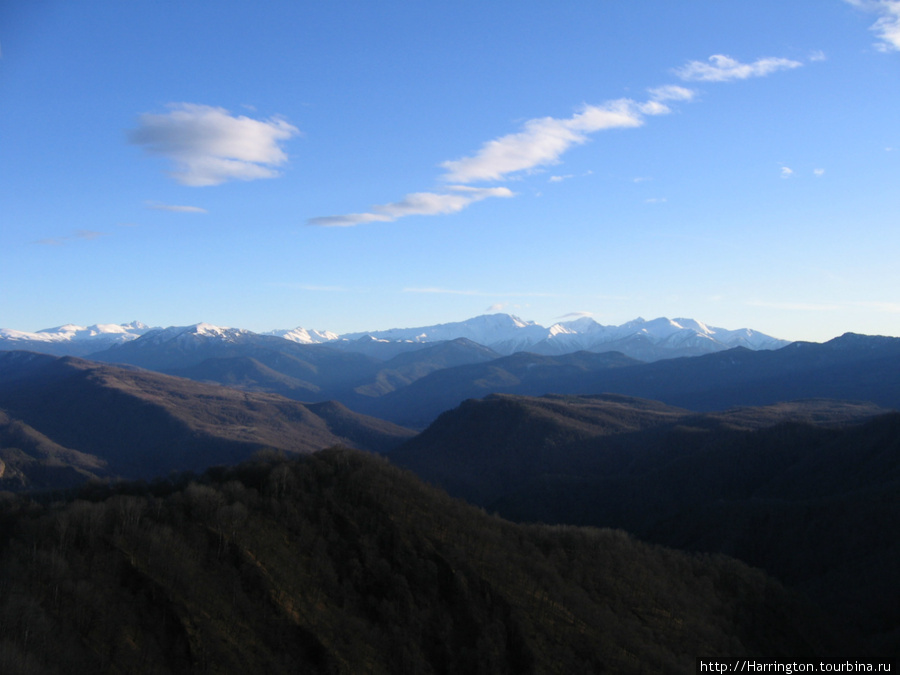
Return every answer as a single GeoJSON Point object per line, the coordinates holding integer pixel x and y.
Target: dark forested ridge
{"type": "Point", "coordinates": [808, 491]}
{"type": "Point", "coordinates": [339, 562]}
{"type": "Point", "coordinates": [342, 563]}
{"type": "Point", "coordinates": [851, 367]}
{"type": "Point", "coordinates": [66, 419]}
{"type": "Point", "coordinates": [411, 384]}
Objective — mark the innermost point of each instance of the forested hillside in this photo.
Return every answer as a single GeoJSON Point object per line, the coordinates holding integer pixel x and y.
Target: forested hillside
{"type": "Point", "coordinates": [341, 563]}
{"type": "Point", "coordinates": [65, 420]}
{"type": "Point", "coordinates": [808, 491]}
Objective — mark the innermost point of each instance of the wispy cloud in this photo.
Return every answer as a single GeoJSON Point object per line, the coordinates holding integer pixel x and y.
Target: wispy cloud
{"type": "Point", "coordinates": [887, 27]}
{"type": "Point", "coordinates": [445, 291]}
{"type": "Point", "coordinates": [78, 235]}
{"type": "Point", "coordinates": [671, 92]}
{"type": "Point", "coordinates": [871, 305]}
{"type": "Point", "coordinates": [786, 172]}
{"type": "Point", "coordinates": [455, 199]}
{"type": "Point", "coordinates": [883, 307]}
{"type": "Point", "coordinates": [453, 291]}
{"type": "Point", "coordinates": [156, 206]}
{"type": "Point", "coordinates": [721, 68]}
{"type": "Point", "coordinates": [575, 315]}
{"type": "Point", "coordinates": [794, 306]}
{"type": "Point", "coordinates": [209, 146]}
{"type": "Point", "coordinates": [541, 142]}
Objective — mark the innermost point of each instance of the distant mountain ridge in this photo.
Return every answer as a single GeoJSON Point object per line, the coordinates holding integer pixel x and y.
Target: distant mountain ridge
{"type": "Point", "coordinates": [64, 419]}
{"type": "Point", "coordinates": [72, 340]}
{"type": "Point", "coordinates": [503, 333]}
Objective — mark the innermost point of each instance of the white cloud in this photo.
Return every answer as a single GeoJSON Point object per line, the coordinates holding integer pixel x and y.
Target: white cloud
{"type": "Point", "coordinates": [786, 172]}
{"type": "Point", "coordinates": [819, 172]}
{"type": "Point", "coordinates": [560, 179]}
{"type": "Point", "coordinates": [671, 92]}
{"type": "Point", "coordinates": [156, 206]}
{"type": "Point", "coordinates": [721, 68]}
{"type": "Point", "coordinates": [416, 204]}
{"type": "Point", "coordinates": [575, 315]}
{"type": "Point", "coordinates": [543, 141]}
{"type": "Point", "coordinates": [887, 27]}
{"type": "Point", "coordinates": [209, 146]}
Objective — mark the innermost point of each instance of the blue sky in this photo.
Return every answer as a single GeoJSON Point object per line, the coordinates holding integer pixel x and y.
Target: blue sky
{"type": "Point", "coordinates": [349, 166]}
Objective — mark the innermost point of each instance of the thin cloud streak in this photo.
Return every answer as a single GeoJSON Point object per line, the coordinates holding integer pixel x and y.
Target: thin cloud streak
{"type": "Point", "coordinates": [79, 235]}
{"type": "Point", "coordinates": [794, 306]}
{"type": "Point", "coordinates": [544, 140]}
{"type": "Point", "coordinates": [451, 291]}
{"type": "Point", "coordinates": [575, 315]}
{"type": "Point", "coordinates": [156, 206]}
{"type": "Point", "coordinates": [671, 92]}
{"type": "Point", "coordinates": [209, 146]}
{"type": "Point", "coordinates": [722, 68]}
{"type": "Point", "coordinates": [416, 204]}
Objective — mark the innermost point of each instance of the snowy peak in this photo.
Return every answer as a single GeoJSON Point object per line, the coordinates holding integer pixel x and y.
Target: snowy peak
{"type": "Point", "coordinates": [647, 340]}
{"type": "Point", "coordinates": [486, 329]}
{"type": "Point", "coordinates": [71, 339]}
{"type": "Point", "coordinates": [503, 333]}
{"type": "Point", "coordinates": [303, 335]}
{"type": "Point", "coordinates": [198, 333]}
{"type": "Point", "coordinates": [104, 332]}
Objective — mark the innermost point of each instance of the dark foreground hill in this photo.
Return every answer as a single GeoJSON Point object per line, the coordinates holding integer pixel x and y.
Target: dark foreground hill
{"type": "Point", "coordinates": [339, 562]}
{"type": "Point", "coordinates": [67, 419]}
{"type": "Point", "coordinates": [808, 491]}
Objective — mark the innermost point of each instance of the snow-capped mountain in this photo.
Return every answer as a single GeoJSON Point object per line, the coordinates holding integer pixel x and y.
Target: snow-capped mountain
{"type": "Point", "coordinates": [195, 335]}
{"type": "Point", "coordinates": [646, 340]}
{"type": "Point", "coordinates": [503, 333]}
{"type": "Point", "coordinates": [651, 340]}
{"type": "Point", "coordinates": [72, 340]}
{"type": "Point", "coordinates": [304, 336]}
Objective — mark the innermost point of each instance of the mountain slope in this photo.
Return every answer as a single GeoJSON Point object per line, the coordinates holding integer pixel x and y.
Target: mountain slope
{"type": "Point", "coordinates": [30, 460]}
{"type": "Point", "coordinates": [808, 491]}
{"type": "Point", "coordinates": [72, 340]}
{"type": "Point", "coordinates": [644, 340]}
{"type": "Point", "coordinates": [340, 563]}
{"type": "Point", "coordinates": [143, 424]}
{"type": "Point", "coordinates": [856, 367]}
{"type": "Point", "coordinates": [485, 448]}
{"type": "Point", "coordinates": [423, 400]}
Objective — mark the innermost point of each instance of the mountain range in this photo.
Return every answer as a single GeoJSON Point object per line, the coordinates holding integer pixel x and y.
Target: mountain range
{"type": "Point", "coordinates": [64, 420]}
{"type": "Point", "coordinates": [809, 491]}
{"type": "Point", "coordinates": [505, 334]}
{"type": "Point", "coordinates": [786, 459]}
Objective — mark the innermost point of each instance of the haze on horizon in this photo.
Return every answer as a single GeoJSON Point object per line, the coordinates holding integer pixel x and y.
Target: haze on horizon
{"type": "Point", "coordinates": [351, 167]}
